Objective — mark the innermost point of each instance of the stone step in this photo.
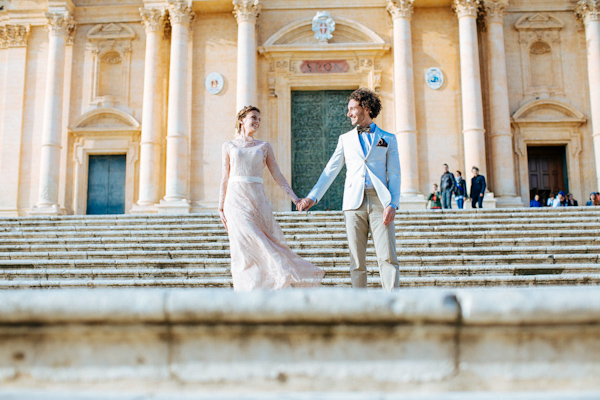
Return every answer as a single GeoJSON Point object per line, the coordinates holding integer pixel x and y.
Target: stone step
{"type": "Point", "coordinates": [329, 261]}
{"type": "Point", "coordinates": [192, 243]}
{"type": "Point", "coordinates": [330, 272]}
{"type": "Point", "coordinates": [305, 252]}
{"type": "Point", "coordinates": [463, 281]}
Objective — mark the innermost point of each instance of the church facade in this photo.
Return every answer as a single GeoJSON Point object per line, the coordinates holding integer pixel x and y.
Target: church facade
{"type": "Point", "coordinates": [122, 106]}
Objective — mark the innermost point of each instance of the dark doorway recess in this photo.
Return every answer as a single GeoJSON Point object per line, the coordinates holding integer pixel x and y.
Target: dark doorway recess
{"type": "Point", "coordinates": [547, 171]}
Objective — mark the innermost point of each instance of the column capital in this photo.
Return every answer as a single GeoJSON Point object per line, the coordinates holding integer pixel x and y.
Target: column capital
{"type": "Point", "coordinates": [60, 24]}
{"type": "Point", "coordinates": [588, 10]}
{"type": "Point", "coordinates": [400, 8]}
{"type": "Point", "coordinates": [494, 10]}
{"type": "Point", "coordinates": [3, 37]}
{"type": "Point", "coordinates": [180, 12]}
{"type": "Point", "coordinates": [246, 10]}
{"type": "Point", "coordinates": [466, 8]}
{"type": "Point", "coordinates": [153, 19]}
{"type": "Point", "coordinates": [14, 35]}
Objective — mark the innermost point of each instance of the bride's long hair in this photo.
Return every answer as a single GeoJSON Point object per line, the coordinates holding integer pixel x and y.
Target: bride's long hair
{"type": "Point", "coordinates": [241, 115]}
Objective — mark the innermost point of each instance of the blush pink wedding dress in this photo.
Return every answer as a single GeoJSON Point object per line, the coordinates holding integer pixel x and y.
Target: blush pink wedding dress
{"type": "Point", "coordinates": [260, 256]}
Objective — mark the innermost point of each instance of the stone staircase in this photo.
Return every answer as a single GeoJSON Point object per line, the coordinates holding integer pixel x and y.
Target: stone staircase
{"type": "Point", "coordinates": [515, 247]}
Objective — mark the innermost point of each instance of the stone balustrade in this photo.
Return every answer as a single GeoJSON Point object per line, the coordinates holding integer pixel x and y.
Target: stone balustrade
{"type": "Point", "coordinates": [140, 343]}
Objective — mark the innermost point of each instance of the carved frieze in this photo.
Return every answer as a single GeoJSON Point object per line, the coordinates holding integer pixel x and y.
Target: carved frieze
{"type": "Point", "coordinates": [60, 24]}
{"type": "Point", "coordinates": [400, 8]}
{"type": "Point", "coordinates": [588, 10]}
{"type": "Point", "coordinates": [246, 10]}
{"type": "Point", "coordinates": [466, 8]}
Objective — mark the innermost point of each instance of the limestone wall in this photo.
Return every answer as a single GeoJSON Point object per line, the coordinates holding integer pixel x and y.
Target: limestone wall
{"type": "Point", "coordinates": [326, 340]}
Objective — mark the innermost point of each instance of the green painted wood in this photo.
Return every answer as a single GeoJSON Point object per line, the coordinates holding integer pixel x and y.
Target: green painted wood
{"type": "Point", "coordinates": [106, 184]}
{"type": "Point", "coordinates": [318, 119]}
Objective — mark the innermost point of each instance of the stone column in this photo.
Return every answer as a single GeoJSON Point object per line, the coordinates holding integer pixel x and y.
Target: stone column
{"type": "Point", "coordinates": [14, 39]}
{"type": "Point", "coordinates": [176, 199]}
{"type": "Point", "coordinates": [404, 101]}
{"type": "Point", "coordinates": [151, 143]}
{"type": "Point", "coordinates": [505, 184]}
{"type": "Point", "coordinates": [589, 12]}
{"type": "Point", "coordinates": [246, 12]}
{"type": "Point", "coordinates": [470, 75]}
{"type": "Point", "coordinates": [60, 25]}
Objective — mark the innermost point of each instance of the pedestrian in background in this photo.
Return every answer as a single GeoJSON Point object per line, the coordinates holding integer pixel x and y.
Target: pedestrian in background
{"type": "Point", "coordinates": [461, 190]}
{"type": "Point", "coordinates": [550, 200]}
{"type": "Point", "coordinates": [535, 202]}
{"type": "Point", "coordinates": [433, 201]}
{"type": "Point", "coordinates": [594, 200]}
{"type": "Point", "coordinates": [447, 187]}
{"type": "Point", "coordinates": [477, 188]}
{"type": "Point", "coordinates": [571, 202]}
{"type": "Point", "coordinates": [560, 200]}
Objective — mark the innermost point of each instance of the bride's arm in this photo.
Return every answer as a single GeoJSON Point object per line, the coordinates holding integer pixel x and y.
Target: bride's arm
{"type": "Point", "coordinates": [277, 175]}
{"type": "Point", "coordinates": [224, 181]}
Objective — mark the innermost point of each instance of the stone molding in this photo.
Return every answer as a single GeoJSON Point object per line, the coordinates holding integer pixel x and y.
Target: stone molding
{"type": "Point", "coordinates": [246, 10]}
{"type": "Point", "coordinates": [400, 8]}
{"type": "Point", "coordinates": [495, 10]}
{"type": "Point", "coordinates": [180, 13]}
{"type": "Point", "coordinates": [153, 19]}
{"type": "Point", "coordinates": [60, 24]}
{"type": "Point", "coordinates": [466, 8]}
{"type": "Point", "coordinates": [588, 10]}
{"type": "Point", "coordinates": [14, 35]}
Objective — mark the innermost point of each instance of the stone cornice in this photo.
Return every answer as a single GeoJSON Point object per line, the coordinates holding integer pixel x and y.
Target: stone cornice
{"type": "Point", "coordinates": [588, 10]}
{"type": "Point", "coordinates": [466, 8]}
{"type": "Point", "coordinates": [400, 8]}
{"type": "Point", "coordinates": [60, 24]}
{"type": "Point", "coordinates": [495, 10]}
{"type": "Point", "coordinates": [180, 13]}
{"type": "Point", "coordinates": [246, 10]}
{"type": "Point", "coordinates": [153, 19]}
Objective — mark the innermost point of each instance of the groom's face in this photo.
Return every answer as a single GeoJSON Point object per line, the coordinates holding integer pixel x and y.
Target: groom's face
{"type": "Point", "coordinates": [357, 114]}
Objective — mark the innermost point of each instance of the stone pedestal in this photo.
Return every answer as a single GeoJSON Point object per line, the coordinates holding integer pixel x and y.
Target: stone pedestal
{"type": "Point", "coordinates": [151, 144]}
{"type": "Point", "coordinates": [504, 184]}
{"type": "Point", "coordinates": [589, 12]}
{"type": "Point", "coordinates": [404, 104]}
{"type": "Point", "coordinates": [176, 200]}
{"type": "Point", "coordinates": [246, 13]}
{"type": "Point", "coordinates": [61, 26]}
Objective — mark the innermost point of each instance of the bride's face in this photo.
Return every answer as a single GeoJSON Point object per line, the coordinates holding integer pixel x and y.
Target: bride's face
{"type": "Point", "coordinates": [251, 123]}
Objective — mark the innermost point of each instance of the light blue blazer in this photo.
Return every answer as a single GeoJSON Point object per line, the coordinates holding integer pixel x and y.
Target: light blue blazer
{"type": "Point", "coordinates": [381, 163]}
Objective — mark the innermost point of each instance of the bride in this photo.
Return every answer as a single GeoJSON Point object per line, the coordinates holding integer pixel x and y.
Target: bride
{"type": "Point", "coordinates": [260, 256]}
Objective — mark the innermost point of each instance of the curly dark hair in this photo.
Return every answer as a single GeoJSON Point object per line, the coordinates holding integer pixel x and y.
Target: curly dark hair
{"type": "Point", "coordinates": [368, 100]}
{"type": "Point", "coordinates": [242, 114]}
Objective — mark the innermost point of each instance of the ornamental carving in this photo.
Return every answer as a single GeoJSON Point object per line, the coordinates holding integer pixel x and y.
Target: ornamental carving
{"type": "Point", "coordinates": [180, 12]}
{"type": "Point", "coordinates": [14, 35]}
{"type": "Point", "coordinates": [246, 10]}
{"type": "Point", "coordinates": [588, 10]}
{"type": "Point", "coordinates": [400, 8]}
{"type": "Point", "coordinates": [323, 26]}
{"type": "Point", "coordinates": [153, 19]}
{"type": "Point", "coordinates": [494, 10]}
{"type": "Point", "coordinates": [466, 8]}
{"type": "Point", "coordinates": [60, 24]}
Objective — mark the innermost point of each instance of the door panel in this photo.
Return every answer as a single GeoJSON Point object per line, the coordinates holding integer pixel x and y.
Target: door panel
{"type": "Point", "coordinates": [106, 184]}
{"type": "Point", "coordinates": [318, 119]}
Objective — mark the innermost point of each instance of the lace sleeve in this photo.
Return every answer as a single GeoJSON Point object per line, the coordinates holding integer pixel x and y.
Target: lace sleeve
{"type": "Point", "coordinates": [277, 175]}
{"type": "Point", "coordinates": [225, 178]}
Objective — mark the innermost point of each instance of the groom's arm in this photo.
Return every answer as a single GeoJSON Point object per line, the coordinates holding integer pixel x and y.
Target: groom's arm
{"type": "Point", "coordinates": [393, 171]}
{"type": "Point", "coordinates": [331, 171]}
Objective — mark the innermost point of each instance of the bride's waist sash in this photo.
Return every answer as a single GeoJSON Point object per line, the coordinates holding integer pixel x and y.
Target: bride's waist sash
{"type": "Point", "coordinates": [254, 179]}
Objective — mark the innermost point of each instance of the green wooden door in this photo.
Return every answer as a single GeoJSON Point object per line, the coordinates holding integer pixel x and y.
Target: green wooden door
{"type": "Point", "coordinates": [318, 119]}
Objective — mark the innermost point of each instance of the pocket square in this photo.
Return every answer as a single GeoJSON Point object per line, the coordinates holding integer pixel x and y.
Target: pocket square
{"type": "Point", "coordinates": [381, 143]}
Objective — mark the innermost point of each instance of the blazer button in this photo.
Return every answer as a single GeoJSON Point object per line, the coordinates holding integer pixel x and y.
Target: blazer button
{"type": "Point", "coordinates": [365, 161]}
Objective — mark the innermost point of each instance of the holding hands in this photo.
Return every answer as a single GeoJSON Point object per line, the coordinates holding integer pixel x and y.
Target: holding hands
{"type": "Point", "coordinates": [305, 204]}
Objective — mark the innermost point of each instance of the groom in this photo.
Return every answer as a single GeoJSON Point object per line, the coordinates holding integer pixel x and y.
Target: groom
{"type": "Point", "coordinates": [371, 190]}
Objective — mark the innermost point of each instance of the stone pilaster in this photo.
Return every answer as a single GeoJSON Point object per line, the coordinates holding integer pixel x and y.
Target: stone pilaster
{"type": "Point", "coordinates": [61, 27]}
{"type": "Point", "coordinates": [504, 184]}
{"type": "Point", "coordinates": [589, 12]}
{"type": "Point", "coordinates": [151, 141]}
{"type": "Point", "coordinates": [472, 103]}
{"type": "Point", "coordinates": [176, 198]}
{"type": "Point", "coordinates": [404, 102]}
{"type": "Point", "coordinates": [246, 12]}
{"type": "Point", "coordinates": [13, 67]}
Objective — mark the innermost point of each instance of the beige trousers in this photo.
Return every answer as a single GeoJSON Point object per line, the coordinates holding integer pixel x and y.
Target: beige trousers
{"type": "Point", "coordinates": [369, 216]}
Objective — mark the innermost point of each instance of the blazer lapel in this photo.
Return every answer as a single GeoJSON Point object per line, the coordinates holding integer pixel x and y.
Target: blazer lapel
{"type": "Point", "coordinates": [376, 138]}
{"type": "Point", "coordinates": [355, 140]}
